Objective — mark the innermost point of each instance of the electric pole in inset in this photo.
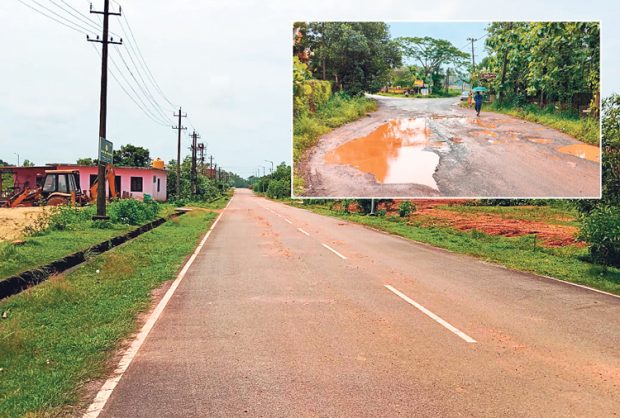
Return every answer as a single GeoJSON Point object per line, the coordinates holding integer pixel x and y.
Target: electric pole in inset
{"type": "Point", "coordinates": [473, 59]}
{"type": "Point", "coordinates": [179, 128]}
{"type": "Point", "coordinates": [194, 174]}
{"type": "Point", "coordinates": [103, 100]}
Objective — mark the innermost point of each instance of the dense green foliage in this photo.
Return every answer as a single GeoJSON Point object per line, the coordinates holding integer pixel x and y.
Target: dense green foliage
{"type": "Point", "coordinates": [206, 188]}
{"type": "Point", "coordinates": [549, 62]}
{"type": "Point", "coordinates": [309, 95]}
{"type": "Point", "coordinates": [354, 56]}
{"type": "Point", "coordinates": [132, 156]}
{"type": "Point", "coordinates": [601, 218]}
{"type": "Point", "coordinates": [276, 185]}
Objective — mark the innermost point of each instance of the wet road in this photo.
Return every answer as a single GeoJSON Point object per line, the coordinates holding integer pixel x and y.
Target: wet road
{"type": "Point", "coordinates": [433, 147]}
{"type": "Point", "coordinates": [288, 313]}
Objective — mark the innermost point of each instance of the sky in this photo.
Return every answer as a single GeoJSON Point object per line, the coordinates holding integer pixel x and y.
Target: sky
{"type": "Point", "coordinates": [226, 62]}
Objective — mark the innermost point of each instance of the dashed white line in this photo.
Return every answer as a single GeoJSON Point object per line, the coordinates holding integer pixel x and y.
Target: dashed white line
{"type": "Point", "coordinates": [334, 251]}
{"type": "Point", "coordinates": [431, 315]}
{"type": "Point", "coordinates": [303, 232]}
{"type": "Point", "coordinates": [288, 221]}
{"type": "Point", "coordinates": [104, 393]}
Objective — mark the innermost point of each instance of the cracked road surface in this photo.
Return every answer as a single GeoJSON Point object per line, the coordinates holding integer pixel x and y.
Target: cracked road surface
{"type": "Point", "coordinates": [289, 313]}
{"type": "Point", "coordinates": [433, 147]}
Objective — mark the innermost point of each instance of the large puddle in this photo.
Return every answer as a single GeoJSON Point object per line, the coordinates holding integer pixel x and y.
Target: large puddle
{"type": "Point", "coordinates": [392, 153]}
{"type": "Point", "coordinates": [584, 151]}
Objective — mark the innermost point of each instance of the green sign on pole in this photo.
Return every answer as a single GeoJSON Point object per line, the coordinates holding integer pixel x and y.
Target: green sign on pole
{"type": "Point", "coordinates": [106, 151]}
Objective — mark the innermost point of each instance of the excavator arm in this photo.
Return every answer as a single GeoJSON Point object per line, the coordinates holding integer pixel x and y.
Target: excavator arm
{"type": "Point", "coordinates": [110, 175]}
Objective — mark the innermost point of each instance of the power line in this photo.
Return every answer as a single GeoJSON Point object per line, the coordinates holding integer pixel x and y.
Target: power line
{"type": "Point", "coordinates": [82, 20]}
{"type": "Point", "coordinates": [71, 25]}
{"type": "Point", "coordinates": [141, 59]}
{"type": "Point", "coordinates": [145, 111]}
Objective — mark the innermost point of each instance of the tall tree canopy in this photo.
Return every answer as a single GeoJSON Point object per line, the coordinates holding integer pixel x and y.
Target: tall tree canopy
{"type": "Point", "coordinates": [552, 61]}
{"type": "Point", "coordinates": [132, 156]}
{"type": "Point", "coordinates": [354, 56]}
{"type": "Point", "coordinates": [432, 54]}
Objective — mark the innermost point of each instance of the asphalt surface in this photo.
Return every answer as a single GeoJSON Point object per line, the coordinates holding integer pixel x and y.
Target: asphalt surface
{"type": "Point", "coordinates": [494, 155]}
{"type": "Point", "coordinates": [271, 322]}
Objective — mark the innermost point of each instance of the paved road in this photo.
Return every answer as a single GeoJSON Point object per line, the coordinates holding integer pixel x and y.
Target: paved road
{"type": "Point", "coordinates": [270, 322]}
{"type": "Point", "coordinates": [444, 150]}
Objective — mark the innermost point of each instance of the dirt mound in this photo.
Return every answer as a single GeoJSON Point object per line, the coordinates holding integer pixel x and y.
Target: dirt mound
{"type": "Point", "coordinates": [13, 221]}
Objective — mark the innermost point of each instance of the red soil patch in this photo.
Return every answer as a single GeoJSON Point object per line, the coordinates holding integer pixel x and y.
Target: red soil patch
{"type": "Point", "coordinates": [550, 235]}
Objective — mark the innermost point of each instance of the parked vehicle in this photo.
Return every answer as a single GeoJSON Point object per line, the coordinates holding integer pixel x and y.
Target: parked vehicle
{"type": "Point", "coordinates": [464, 95]}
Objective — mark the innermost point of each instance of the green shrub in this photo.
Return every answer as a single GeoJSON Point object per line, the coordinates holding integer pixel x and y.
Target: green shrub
{"type": "Point", "coordinates": [405, 208]}
{"type": "Point", "coordinates": [132, 212]}
{"type": "Point", "coordinates": [279, 189]}
{"type": "Point", "coordinates": [601, 230]}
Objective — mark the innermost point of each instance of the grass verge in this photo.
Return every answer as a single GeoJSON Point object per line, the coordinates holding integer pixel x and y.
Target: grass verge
{"type": "Point", "coordinates": [585, 129]}
{"type": "Point", "coordinates": [520, 253]}
{"type": "Point", "coordinates": [60, 334]}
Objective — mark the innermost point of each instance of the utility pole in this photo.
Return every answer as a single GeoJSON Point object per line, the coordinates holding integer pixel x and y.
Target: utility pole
{"type": "Point", "coordinates": [17, 158]}
{"type": "Point", "coordinates": [194, 175]}
{"type": "Point", "coordinates": [179, 128]}
{"type": "Point", "coordinates": [210, 166]}
{"type": "Point", "coordinates": [103, 99]}
{"type": "Point", "coordinates": [473, 59]}
{"type": "Point", "coordinates": [447, 80]}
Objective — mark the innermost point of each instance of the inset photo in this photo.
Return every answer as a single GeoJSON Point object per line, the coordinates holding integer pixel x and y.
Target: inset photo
{"type": "Point", "coordinates": [446, 109]}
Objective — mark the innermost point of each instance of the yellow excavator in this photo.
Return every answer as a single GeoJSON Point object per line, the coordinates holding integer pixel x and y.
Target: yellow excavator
{"type": "Point", "coordinates": [60, 187]}
{"type": "Point", "coordinates": [109, 176]}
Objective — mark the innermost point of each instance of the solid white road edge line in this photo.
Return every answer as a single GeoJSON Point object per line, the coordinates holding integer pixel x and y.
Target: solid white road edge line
{"type": "Point", "coordinates": [104, 393]}
{"type": "Point", "coordinates": [430, 314]}
{"type": "Point", "coordinates": [303, 232]}
{"type": "Point", "coordinates": [334, 251]}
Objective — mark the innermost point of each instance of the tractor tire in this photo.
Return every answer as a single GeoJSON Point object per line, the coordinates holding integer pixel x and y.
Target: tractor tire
{"type": "Point", "coordinates": [57, 201]}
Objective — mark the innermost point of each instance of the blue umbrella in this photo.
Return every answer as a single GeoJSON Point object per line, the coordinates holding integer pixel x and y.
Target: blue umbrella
{"type": "Point", "coordinates": [479, 89]}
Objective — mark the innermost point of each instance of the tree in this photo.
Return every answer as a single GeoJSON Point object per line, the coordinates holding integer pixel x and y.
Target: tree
{"type": "Point", "coordinates": [354, 56]}
{"type": "Point", "coordinates": [432, 54]}
{"type": "Point", "coordinates": [85, 161]}
{"type": "Point", "coordinates": [27, 163]}
{"type": "Point", "coordinates": [3, 163]}
{"type": "Point", "coordinates": [132, 156]}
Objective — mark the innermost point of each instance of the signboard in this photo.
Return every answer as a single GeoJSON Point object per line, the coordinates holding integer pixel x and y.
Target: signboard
{"type": "Point", "coordinates": [106, 151]}
{"type": "Point", "coordinates": [418, 83]}
{"type": "Point", "coordinates": [488, 76]}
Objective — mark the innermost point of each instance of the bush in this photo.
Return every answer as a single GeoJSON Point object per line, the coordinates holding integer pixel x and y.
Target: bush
{"type": "Point", "coordinates": [279, 189]}
{"type": "Point", "coordinates": [405, 208]}
{"type": "Point", "coordinates": [601, 230]}
{"type": "Point", "coordinates": [132, 212]}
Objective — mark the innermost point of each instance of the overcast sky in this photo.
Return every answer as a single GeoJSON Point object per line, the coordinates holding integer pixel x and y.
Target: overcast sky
{"type": "Point", "coordinates": [227, 62]}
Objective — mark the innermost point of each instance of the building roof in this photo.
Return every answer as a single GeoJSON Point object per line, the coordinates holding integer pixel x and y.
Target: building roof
{"type": "Point", "coordinates": [116, 167]}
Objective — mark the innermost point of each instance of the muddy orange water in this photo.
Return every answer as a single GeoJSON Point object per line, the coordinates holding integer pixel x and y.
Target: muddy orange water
{"type": "Point", "coordinates": [393, 153]}
{"type": "Point", "coordinates": [585, 151]}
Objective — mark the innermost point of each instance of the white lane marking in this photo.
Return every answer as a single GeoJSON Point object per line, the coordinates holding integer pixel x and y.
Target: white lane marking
{"type": "Point", "coordinates": [334, 251]}
{"type": "Point", "coordinates": [430, 314]}
{"type": "Point", "coordinates": [104, 393]}
{"type": "Point", "coordinates": [303, 232]}
{"type": "Point", "coordinates": [288, 221]}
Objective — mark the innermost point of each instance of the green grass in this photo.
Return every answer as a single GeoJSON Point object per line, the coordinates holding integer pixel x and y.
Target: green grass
{"type": "Point", "coordinates": [49, 246]}
{"type": "Point", "coordinates": [62, 333]}
{"type": "Point", "coordinates": [585, 129]}
{"type": "Point", "coordinates": [519, 253]}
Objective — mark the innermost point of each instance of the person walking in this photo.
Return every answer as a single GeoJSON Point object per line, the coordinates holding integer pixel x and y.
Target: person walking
{"type": "Point", "coordinates": [478, 98]}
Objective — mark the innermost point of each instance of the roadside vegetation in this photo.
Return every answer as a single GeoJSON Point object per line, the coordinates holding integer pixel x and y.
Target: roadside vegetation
{"type": "Point", "coordinates": [513, 248]}
{"type": "Point", "coordinates": [62, 230]}
{"type": "Point", "coordinates": [276, 185]}
{"type": "Point", "coordinates": [66, 330]}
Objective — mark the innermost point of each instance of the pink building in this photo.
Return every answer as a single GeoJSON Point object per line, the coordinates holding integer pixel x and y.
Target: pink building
{"type": "Point", "coordinates": [134, 182]}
